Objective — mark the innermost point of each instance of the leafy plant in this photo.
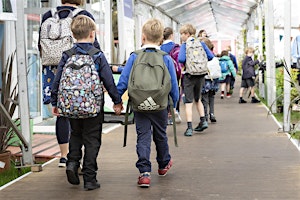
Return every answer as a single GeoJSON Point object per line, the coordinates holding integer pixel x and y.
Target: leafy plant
{"type": "Point", "coordinates": [280, 85]}
{"type": "Point", "coordinates": [294, 96]}
{"type": "Point", "coordinates": [9, 99]}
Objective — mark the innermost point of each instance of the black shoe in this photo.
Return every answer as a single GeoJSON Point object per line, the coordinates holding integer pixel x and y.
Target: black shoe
{"type": "Point", "coordinates": [212, 118]}
{"type": "Point", "coordinates": [242, 101]}
{"type": "Point", "coordinates": [91, 185]}
{"type": "Point", "coordinates": [72, 173]}
{"type": "Point", "coordinates": [254, 100]}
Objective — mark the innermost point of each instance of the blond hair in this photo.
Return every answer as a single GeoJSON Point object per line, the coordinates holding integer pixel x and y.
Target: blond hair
{"type": "Point", "coordinates": [249, 50]}
{"type": "Point", "coordinates": [153, 30]}
{"type": "Point", "coordinates": [81, 26]}
{"type": "Point", "coordinates": [188, 28]}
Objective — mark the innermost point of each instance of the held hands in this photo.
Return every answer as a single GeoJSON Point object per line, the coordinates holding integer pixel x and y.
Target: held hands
{"type": "Point", "coordinates": [55, 111]}
{"type": "Point", "coordinates": [118, 108]}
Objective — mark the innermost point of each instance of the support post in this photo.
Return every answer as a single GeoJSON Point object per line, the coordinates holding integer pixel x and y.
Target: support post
{"type": "Point", "coordinates": [287, 57]}
{"type": "Point", "coordinates": [270, 56]}
{"type": "Point", "coordinates": [22, 80]}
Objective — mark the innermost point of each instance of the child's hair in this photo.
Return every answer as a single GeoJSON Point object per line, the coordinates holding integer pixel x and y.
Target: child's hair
{"type": "Point", "coordinates": [167, 32]}
{"type": "Point", "coordinates": [81, 26]}
{"type": "Point", "coordinates": [208, 43]}
{"type": "Point", "coordinates": [224, 53]}
{"type": "Point", "coordinates": [153, 30]}
{"type": "Point", "coordinates": [188, 28]}
{"type": "Point", "coordinates": [200, 33]}
{"type": "Point", "coordinates": [76, 2]}
{"type": "Point", "coordinates": [249, 50]}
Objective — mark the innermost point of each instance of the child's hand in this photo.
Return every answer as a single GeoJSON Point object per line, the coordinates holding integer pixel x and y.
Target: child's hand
{"type": "Point", "coordinates": [114, 68]}
{"type": "Point", "coordinates": [118, 108]}
{"type": "Point", "coordinates": [55, 111]}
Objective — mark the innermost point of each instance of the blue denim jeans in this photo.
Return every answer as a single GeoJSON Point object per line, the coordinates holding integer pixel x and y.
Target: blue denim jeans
{"type": "Point", "coordinates": [148, 125]}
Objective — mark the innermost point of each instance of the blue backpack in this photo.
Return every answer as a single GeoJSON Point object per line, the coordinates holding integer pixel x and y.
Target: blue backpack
{"type": "Point", "coordinates": [224, 66]}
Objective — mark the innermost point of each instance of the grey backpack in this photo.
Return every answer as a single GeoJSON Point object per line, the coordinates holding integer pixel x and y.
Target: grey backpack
{"type": "Point", "coordinates": [196, 58]}
{"type": "Point", "coordinates": [56, 36]}
{"type": "Point", "coordinates": [149, 82]}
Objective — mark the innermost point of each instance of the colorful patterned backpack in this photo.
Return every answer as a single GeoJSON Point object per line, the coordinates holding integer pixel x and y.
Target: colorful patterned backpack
{"type": "Point", "coordinates": [80, 93]}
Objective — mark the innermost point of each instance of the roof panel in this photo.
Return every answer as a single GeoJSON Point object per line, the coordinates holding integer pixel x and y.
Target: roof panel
{"type": "Point", "coordinates": [217, 17]}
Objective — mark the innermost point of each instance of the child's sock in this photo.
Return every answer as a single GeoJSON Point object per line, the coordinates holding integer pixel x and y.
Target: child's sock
{"type": "Point", "coordinates": [202, 119]}
{"type": "Point", "coordinates": [189, 125]}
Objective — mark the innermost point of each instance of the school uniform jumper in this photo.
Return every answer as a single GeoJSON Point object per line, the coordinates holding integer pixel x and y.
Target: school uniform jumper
{"type": "Point", "coordinates": [144, 120]}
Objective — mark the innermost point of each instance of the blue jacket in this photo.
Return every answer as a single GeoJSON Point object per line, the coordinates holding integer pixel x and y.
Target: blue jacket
{"type": "Point", "coordinates": [167, 47]}
{"type": "Point", "coordinates": [104, 72]}
{"type": "Point", "coordinates": [123, 81]}
{"type": "Point", "coordinates": [182, 53]}
{"type": "Point", "coordinates": [296, 49]}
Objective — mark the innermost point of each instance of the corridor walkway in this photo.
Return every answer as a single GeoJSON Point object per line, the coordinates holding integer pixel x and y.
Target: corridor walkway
{"type": "Point", "coordinates": [241, 157]}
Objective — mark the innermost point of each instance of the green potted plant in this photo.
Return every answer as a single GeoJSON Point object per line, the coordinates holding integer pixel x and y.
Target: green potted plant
{"type": "Point", "coordinates": [9, 99]}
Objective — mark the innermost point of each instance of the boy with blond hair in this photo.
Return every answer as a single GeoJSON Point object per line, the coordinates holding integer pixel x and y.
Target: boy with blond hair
{"type": "Point", "coordinates": [150, 124]}
{"type": "Point", "coordinates": [85, 131]}
{"type": "Point", "coordinates": [192, 84]}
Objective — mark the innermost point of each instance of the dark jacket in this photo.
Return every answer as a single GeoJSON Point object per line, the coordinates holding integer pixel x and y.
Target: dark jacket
{"type": "Point", "coordinates": [248, 67]}
{"type": "Point", "coordinates": [104, 72]}
{"type": "Point", "coordinates": [63, 15]}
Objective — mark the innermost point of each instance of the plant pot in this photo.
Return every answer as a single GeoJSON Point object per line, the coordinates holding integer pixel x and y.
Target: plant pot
{"type": "Point", "coordinates": [5, 161]}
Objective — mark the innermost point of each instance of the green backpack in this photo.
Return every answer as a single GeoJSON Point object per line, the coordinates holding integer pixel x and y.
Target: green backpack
{"type": "Point", "coordinates": [149, 82]}
{"type": "Point", "coordinates": [149, 86]}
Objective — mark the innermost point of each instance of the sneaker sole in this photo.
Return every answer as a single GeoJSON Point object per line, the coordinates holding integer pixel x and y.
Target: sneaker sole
{"type": "Point", "coordinates": [72, 177]}
{"type": "Point", "coordinates": [144, 185]}
{"type": "Point", "coordinates": [188, 135]}
{"type": "Point", "coordinates": [201, 129]}
{"type": "Point", "coordinates": [62, 165]}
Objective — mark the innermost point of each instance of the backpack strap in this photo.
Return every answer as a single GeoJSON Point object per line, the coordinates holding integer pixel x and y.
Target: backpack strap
{"type": "Point", "coordinates": [53, 11]}
{"type": "Point", "coordinates": [173, 119]}
{"type": "Point", "coordinates": [76, 12]}
{"type": "Point", "coordinates": [71, 52]}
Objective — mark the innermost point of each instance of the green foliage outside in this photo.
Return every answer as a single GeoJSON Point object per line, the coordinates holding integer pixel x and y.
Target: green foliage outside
{"type": "Point", "coordinates": [12, 173]}
{"type": "Point", "coordinates": [280, 85]}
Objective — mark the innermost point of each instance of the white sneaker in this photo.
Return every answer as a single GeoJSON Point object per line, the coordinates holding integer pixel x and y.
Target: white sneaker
{"type": "Point", "coordinates": [177, 118]}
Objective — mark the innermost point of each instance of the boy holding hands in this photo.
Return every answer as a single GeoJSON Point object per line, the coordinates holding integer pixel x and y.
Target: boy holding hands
{"type": "Point", "coordinates": [151, 123]}
{"type": "Point", "coordinates": [86, 132]}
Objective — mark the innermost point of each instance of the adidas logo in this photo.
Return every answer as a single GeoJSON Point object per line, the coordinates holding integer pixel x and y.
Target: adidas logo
{"type": "Point", "coordinates": [148, 104]}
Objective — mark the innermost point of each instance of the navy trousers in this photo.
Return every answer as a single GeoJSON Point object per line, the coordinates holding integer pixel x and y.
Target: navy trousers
{"type": "Point", "coordinates": [148, 125]}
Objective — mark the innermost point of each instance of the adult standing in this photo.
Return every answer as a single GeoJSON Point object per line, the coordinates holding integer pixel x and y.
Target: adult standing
{"type": "Point", "coordinates": [62, 126]}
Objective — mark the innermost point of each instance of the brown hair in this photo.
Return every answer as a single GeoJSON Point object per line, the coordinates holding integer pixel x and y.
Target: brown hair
{"type": "Point", "coordinates": [76, 2]}
{"type": "Point", "coordinates": [81, 26]}
{"type": "Point", "coordinates": [153, 30]}
{"type": "Point", "coordinates": [200, 33]}
{"type": "Point", "coordinates": [207, 42]}
{"type": "Point", "coordinates": [248, 50]}
{"type": "Point", "coordinates": [224, 53]}
{"type": "Point", "coordinates": [167, 33]}
{"type": "Point", "coordinates": [188, 28]}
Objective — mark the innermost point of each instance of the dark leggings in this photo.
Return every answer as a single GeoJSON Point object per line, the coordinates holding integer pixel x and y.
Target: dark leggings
{"type": "Point", "coordinates": [62, 130]}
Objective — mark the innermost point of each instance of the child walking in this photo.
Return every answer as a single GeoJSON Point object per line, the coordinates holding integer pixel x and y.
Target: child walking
{"type": "Point", "coordinates": [87, 131]}
{"type": "Point", "coordinates": [248, 75]}
{"type": "Point", "coordinates": [150, 124]}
